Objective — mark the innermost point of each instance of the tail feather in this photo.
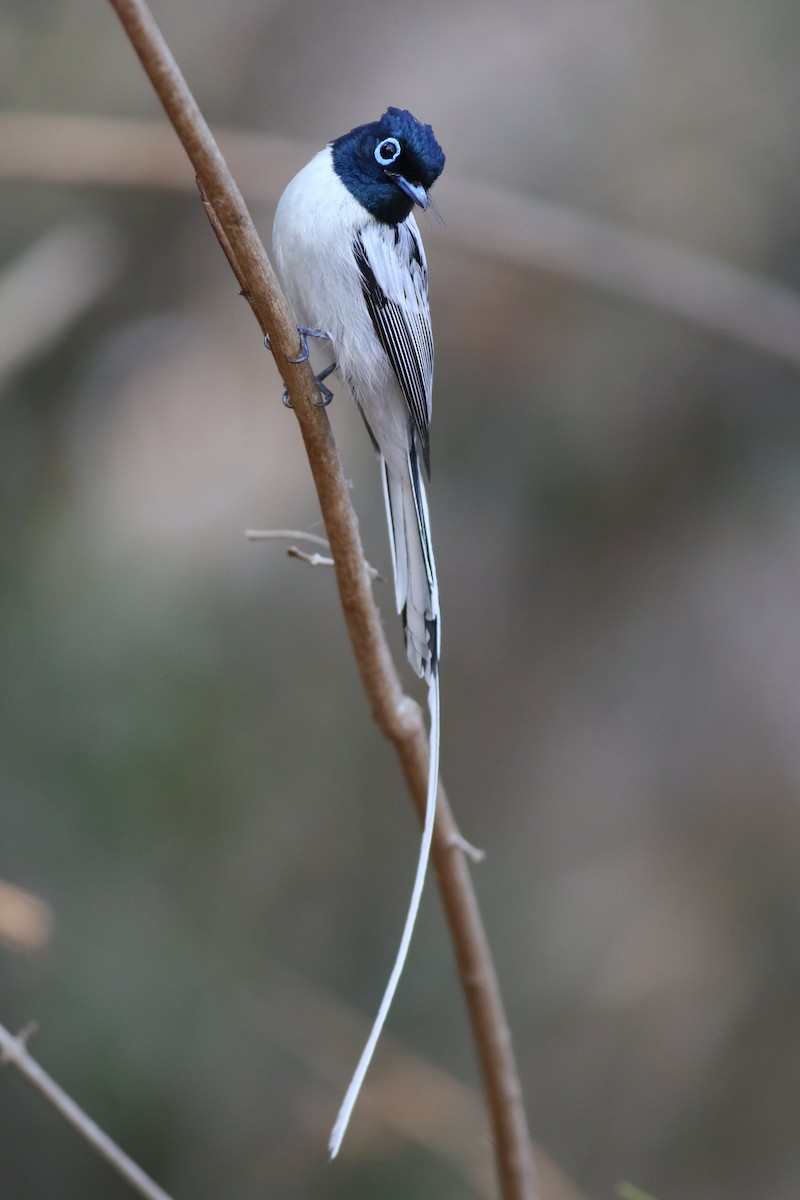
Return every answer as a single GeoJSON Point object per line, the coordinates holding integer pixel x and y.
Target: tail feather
{"type": "Point", "coordinates": [417, 596]}
{"type": "Point", "coordinates": [393, 499]}
{"type": "Point", "coordinates": [351, 1095]}
{"type": "Point", "coordinates": [416, 588]}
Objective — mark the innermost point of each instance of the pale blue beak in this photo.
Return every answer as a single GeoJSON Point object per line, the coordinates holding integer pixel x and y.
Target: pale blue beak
{"type": "Point", "coordinates": [414, 191]}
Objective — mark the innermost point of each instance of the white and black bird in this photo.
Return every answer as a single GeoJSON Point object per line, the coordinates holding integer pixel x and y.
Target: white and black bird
{"type": "Point", "coordinates": [349, 255]}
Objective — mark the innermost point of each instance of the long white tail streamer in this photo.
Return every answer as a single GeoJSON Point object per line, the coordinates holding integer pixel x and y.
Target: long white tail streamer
{"type": "Point", "coordinates": [351, 1095]}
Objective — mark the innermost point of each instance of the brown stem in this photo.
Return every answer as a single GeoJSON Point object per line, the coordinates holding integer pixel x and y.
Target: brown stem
{"type": "Point", "coordinates": [397, 716]}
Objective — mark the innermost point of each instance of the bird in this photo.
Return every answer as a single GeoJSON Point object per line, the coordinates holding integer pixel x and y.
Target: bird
{"type": "Point", "coordinates": [350, 258]}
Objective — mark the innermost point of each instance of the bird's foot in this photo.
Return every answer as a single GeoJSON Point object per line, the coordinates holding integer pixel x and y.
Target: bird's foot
{"type": "Point", "coordinates": [305, 333]}
{"type": "Point", "coordinates": [327, 394]}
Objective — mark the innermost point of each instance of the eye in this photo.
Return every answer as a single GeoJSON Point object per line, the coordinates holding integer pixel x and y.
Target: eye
{"type": "Point", "coordinates": [387, 151]}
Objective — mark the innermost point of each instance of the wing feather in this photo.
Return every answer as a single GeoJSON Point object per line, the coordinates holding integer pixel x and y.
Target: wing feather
{"type": "Point", "coordinates": [394, 279]}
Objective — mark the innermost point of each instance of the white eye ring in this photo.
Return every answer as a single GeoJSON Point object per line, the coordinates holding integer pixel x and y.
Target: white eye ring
{"type": "Point", "coordinates": [387, 151]}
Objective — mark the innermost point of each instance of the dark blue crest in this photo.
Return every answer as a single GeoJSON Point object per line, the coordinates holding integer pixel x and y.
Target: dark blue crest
{"type": "Point", "coordinates": [389, 164]}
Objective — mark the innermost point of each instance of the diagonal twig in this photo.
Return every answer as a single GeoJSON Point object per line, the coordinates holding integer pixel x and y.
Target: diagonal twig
{"type": "Point", "coordinates": [14, 1051]}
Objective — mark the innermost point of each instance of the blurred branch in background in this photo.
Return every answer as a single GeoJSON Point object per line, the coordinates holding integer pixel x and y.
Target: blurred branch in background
{"type": "Point", "coordinates": [50, 284]}
{"type": "Point", "coordinates": [639, 267]}
{"type": "Point", "coordinates": [484, 218]}
{"type": "Point", "coordinates": [26, 922]}
{"type": "Point", "coordinates": [14, 1052]}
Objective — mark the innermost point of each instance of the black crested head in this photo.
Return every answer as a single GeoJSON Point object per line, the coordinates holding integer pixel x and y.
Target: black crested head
{"type": "Point", "coordinates": [389, 165]}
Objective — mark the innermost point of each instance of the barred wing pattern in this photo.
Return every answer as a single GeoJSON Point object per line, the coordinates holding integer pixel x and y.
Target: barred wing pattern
{"type": "Point", "coordinates": [394, 278]}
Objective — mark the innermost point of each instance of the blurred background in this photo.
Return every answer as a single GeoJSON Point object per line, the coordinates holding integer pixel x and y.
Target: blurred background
{"type": "Point", "coordinates": [214, 845]}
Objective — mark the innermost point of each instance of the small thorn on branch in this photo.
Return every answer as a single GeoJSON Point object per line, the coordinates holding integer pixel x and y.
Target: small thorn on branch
{"type": "Point", "coordinates": [473, 853]}
{"type": "Point", "coordinates": [12, 1048]}
{"type": "Point", "coordinates": [26, 1033]}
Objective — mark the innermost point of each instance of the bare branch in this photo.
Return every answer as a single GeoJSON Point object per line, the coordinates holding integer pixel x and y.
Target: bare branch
{"type": "Point", "coordinates": [14, 1051]}
{"type": "Point", "coordinates": [396, 715]}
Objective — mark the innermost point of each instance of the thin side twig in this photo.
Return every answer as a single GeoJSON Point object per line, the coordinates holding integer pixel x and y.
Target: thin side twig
{"type": "Point", "coordinates": [397, 716]}
{"type": "Point", "coordinates": [14, 1052]}
{"type": "Point", "coordinates": [288, 535]}
{"type": "Point", "coordinates": [313, 560]}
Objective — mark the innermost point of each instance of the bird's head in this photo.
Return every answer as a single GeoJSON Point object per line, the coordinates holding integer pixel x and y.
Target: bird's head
{"type": "Point", "coordinates": [389, 165]}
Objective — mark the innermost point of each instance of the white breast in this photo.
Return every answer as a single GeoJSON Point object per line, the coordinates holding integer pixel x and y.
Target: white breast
{"type": "Point", "coordinates": [316, 224]}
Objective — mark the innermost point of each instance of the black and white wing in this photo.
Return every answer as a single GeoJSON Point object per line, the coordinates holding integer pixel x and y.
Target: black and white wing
{"type": "Point", "coordinates": [394, 278]}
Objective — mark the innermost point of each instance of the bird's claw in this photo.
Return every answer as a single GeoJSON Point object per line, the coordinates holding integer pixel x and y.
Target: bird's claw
{"type": "Point", "coordinates": [305, 333]}
{"type": "Point", "coordinates": [327, 394]}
